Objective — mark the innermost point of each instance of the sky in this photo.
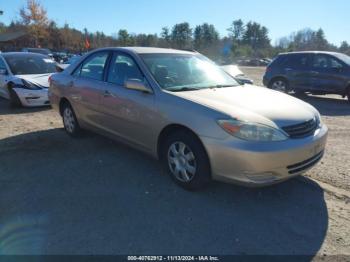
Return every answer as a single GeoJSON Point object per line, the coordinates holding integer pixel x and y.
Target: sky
{"type": "Point", "coordinates": [281, 17]}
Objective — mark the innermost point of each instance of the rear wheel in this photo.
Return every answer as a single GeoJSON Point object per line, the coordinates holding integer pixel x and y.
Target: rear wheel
{"type": "Point", "coordinates": [70, 121]}
{"type": "Point", "coordinates": [279, 84]}
{"type": "Point", "coordinates": [185, 159]}
{"type": "Point", "coordinates": [14, 99]}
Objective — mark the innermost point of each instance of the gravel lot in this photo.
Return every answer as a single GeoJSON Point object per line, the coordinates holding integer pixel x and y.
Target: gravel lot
{"type": "Point", "coordinates": [94, 196]}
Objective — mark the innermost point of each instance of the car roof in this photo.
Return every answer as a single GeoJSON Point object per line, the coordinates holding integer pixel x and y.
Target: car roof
{"type": "Point", "coordinates": [133, 50]}
{"type": "Point", "coordinates": [35, 48]}
{"type": "Point", "coordinates": [21, 54]}
{"type": "Point", "coordinates": [310, 52]}
{"type": "Point", "coordinates": [149, 50]}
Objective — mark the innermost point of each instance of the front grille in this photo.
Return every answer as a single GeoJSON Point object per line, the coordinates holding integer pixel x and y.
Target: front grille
{"type": "Point", "coordinates": [301, 130]}
{"type": "Point", "coordinates": [301, 166]}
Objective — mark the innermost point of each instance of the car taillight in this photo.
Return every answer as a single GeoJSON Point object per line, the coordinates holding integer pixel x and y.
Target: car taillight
{"type": "Point", "coordinates": [268, 69]}
{"type": "Point", "coordinates": [49, 79]}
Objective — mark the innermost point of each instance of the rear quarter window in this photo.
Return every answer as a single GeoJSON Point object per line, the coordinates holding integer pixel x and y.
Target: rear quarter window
{"type": "Point", "coordinates": [278, 61]}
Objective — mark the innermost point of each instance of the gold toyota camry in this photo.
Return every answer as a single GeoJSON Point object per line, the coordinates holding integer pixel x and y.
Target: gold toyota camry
{"type": "Point", "coordinates": [181, 108]}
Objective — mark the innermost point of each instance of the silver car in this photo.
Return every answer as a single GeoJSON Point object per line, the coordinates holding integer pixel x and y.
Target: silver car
{"type": "Point", "coordinates": [181, 108]}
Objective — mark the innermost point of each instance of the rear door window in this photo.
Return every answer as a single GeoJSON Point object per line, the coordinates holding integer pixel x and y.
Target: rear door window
{"type": "Point", "coordinates": [93, 67]}
{"type": "Point", "coordinates": [320, 62]}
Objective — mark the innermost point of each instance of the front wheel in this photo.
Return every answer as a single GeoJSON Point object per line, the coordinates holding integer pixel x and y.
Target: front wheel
{"type": "Point", "coordinates": [185, 159]}
{"type": "Point", "coordinates": [280, 85]}
{"type": "Point", "coordinates": [70, 121]}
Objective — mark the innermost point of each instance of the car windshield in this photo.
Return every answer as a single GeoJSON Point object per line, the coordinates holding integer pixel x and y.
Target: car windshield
{"type": "Point", "coordinates": [39, 51]}
{"type": "Point", "coordinates": [185, 72]}
{"type": "Point", "coordinates": [27, 64]}
{"type": "Point", "coordinates": [344, 58]}
{"type": "Point", "coordinates": [72, 60]}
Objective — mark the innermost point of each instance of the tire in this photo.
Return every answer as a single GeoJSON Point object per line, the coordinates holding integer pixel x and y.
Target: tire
{"type": "Point", "coordinates": [70, 121]}
{"type": "Point", "coordinates": [279, 84]}
{"type": "Point", "coordinates": [15, 102]}
{"type": "Point", "coordinates": [185, 160]}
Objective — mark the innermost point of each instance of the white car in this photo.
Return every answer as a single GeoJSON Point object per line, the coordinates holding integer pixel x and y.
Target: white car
{"type": "Point", "coordinates": [235, 72]}
{"type": "Point", "coordinates": [24, 78]}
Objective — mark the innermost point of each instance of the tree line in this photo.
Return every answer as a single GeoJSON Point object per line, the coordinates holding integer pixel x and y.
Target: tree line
{"type": "Point", "coordinates": [244, 40]}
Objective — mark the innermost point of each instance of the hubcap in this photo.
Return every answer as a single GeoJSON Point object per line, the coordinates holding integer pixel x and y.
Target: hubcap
{"type": "Point", "coordinates": [279, 85]}
{"type": "Point", "coordinates": [68, 120]}
{"type": "Point", "coordinates": [182, 162]}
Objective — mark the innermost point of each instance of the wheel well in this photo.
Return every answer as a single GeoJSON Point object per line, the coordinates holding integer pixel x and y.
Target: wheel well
{"type": "Point", "coordinates": [170, 129]}
{"type": "Point", "coordinates": [10, 84]}
{"type": "Point", "coordinates": [63, 101]}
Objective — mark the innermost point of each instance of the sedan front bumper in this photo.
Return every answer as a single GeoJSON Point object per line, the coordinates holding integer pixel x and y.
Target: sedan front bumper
{"type": "Point", "coordinates": [31, 98]}
{"type": "Point", "coordinates": [263, 163]}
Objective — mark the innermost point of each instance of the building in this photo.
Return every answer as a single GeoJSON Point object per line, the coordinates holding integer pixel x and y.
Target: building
{"type": "Point", "coordinates": [9, 41]}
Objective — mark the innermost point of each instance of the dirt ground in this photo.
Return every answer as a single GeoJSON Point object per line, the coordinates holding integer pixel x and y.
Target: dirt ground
{"type": "Point", "coordinates": [87, 196]}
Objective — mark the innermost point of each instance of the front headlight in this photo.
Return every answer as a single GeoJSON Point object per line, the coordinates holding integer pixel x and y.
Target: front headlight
{"type": "Point", "coordinates": [252, 131]}
{"type": "Point", "coordinates": [29, 85]}
{"type": "Point", "coordinates": [319, 120]}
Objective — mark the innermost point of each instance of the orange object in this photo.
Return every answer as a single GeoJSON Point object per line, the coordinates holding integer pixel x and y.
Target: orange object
{"type": "Point", "coordinates": [87, 43]}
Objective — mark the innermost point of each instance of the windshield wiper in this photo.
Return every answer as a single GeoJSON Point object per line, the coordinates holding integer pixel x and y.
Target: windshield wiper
{"type": "Point", "coordinates": [220, 86]}
{"type": "Point", "coordinates": [182, 89]}
{"type": "Point", "coordinates": [187, 88]}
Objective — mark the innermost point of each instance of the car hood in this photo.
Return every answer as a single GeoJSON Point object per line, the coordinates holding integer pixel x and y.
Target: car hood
{"type": "Point", "coordinates": [64, 66]}
{"type": "Point", "coordinates": [253, 104]}
{"type": "Point", "coordinates": [41, 80]}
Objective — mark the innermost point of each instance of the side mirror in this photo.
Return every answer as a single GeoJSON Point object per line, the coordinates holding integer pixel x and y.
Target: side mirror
{"type": "Point", "coordinates": [135, 84]}
{"type": "Point", "coordinates": [3, 71]}
{"type": "Point", "coordinates": [59, 68]}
